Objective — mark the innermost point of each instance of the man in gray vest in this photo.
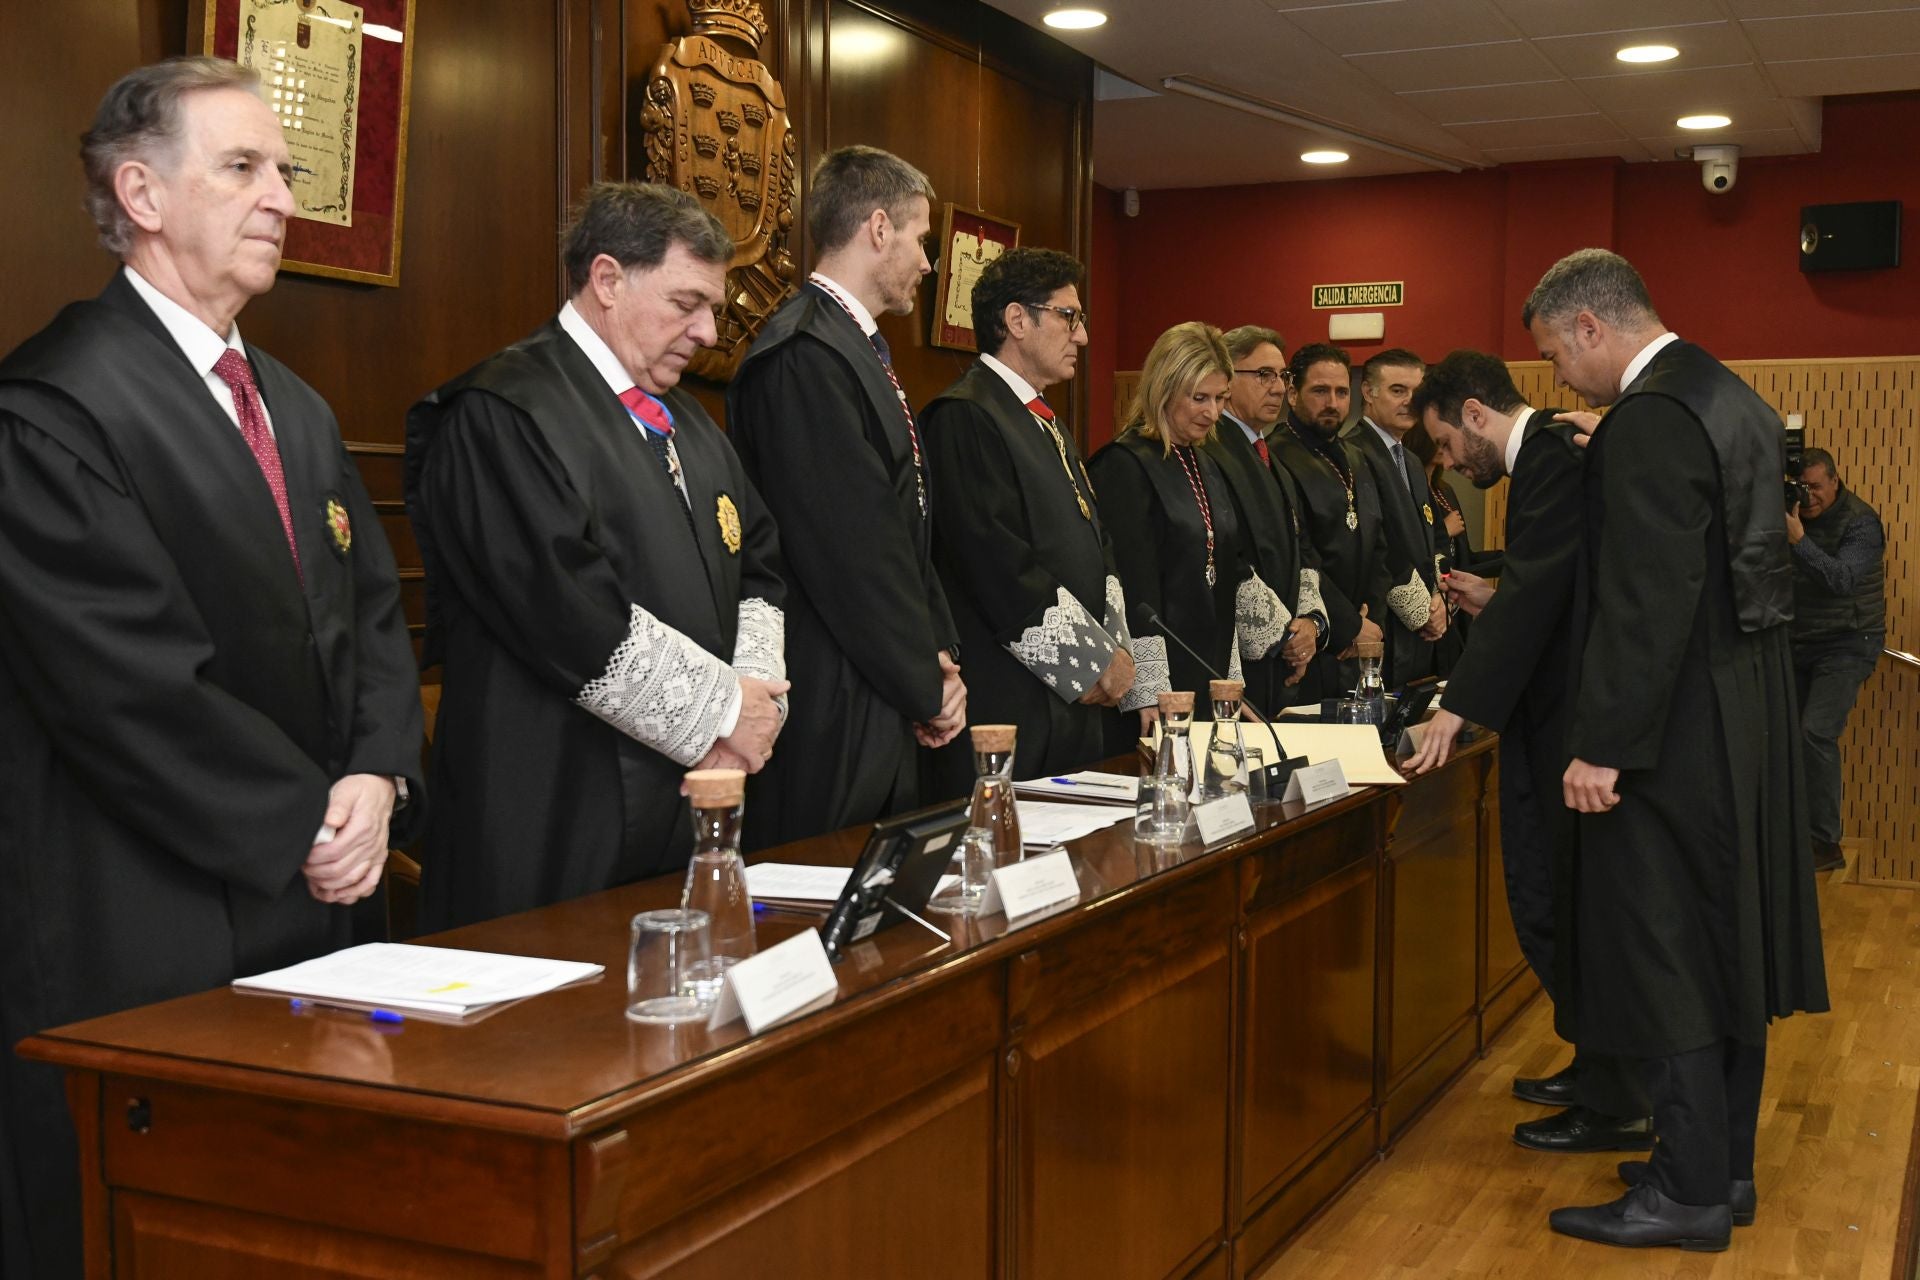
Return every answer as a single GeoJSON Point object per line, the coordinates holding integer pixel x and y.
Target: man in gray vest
{"type": "Point", "coordinates": [1839, 627]}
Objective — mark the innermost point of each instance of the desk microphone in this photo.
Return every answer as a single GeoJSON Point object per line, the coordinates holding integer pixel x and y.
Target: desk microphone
{"type": "Point", "coordinates": [1144, 617]}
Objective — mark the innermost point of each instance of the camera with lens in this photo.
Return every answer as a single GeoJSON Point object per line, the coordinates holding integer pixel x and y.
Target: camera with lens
{"type": "Point", "coordinates": [1794, 444]}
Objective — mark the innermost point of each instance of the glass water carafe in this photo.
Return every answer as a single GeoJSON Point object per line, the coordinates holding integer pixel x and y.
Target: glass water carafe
{"type": "Point", "coordinates": [1225, 770]}
{"type": "Point", "coordinates": [993, 821]}
{"type": "Point", "coordinates": [1172, 772]}
{"type": "Point", "coordinates": [717, 877]}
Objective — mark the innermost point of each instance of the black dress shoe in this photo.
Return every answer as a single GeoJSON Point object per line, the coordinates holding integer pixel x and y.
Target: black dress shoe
{"type": "Point", "coordinates": [1827, 857]}
{"type": "Point", "coordinates": [1741, 1197]}
{"type": "Point", "coordinates": [1644, 1219]}
{"type": "Point", "coordinates": [1556, 1090]}
{"type": "Point", "coordinates": [1578, 1129]}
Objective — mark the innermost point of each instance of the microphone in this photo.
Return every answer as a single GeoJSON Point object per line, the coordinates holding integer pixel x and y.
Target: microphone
{"type": "Point", "coordinates": [1144, 617]}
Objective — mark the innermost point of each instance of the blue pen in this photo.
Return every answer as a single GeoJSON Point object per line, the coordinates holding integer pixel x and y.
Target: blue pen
{"type": "Point", "coordinates": [387, 1016]}
{"type": "Point", "coordinates": [1098, 786]}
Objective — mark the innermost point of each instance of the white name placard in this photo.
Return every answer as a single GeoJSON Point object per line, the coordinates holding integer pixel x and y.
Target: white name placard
{"type": "Point", "coordinates": [776, 984]}
{"type": "Point", "coordinates": [1317, 783]}
{"type": "Point", "coordinates": [1022, 888]}
{"type": "Point", "coordinates": [1223, 818]}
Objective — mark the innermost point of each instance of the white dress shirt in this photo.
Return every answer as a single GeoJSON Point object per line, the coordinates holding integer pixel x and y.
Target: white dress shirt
{"type": "Point", "coordinates": [200, 344]}
{"type": "Point", "coordinates": [1647, 353]}
{"type": "Point", "coordinates": [1519, 432]}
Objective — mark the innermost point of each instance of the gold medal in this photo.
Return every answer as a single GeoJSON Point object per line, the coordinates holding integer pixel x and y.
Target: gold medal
{"type": "Point", "coordinates": [1353, 518]}
{"type": "Point", "coordinates": [729, 517]}
{"type": "Point", "coordinates": [339, 525]}
{"type": "Point", "coordinates": [1085, 511]}
{"type": "Point", "coordinates": [1427, 510]}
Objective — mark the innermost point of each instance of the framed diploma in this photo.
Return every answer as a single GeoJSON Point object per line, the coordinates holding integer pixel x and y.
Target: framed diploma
{"type": "Point", "coordinates": [969, 240]}
{"type": "Point", "coordinates": [337, 75]}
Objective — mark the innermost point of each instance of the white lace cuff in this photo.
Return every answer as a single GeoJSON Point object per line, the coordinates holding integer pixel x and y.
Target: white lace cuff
{"type": "Point", "coordinates": [1150, 675]}
{"type": "Point", "coordinates": [1260, 619]}
{"type": "Point", "coordinates": [662, 690]}
{"type": "Point", "coordinates": [1410, 602]}
{"type": "Point", "coordinates": [1067, 649]}
{"type": "Point", "coordinates": [1234, 670]}
{"type": "Point", "coordinates": [760, 645]}
{"type": "Point", "coordinates": [1116, 620]}
{"type": "Point", "coordinates": [1311, 601]}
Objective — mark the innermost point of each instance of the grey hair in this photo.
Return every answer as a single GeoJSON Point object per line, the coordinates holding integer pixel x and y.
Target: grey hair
{"type": "Point", "coordinates": [139, 119]}
{"type": "Point", "coordinates": [1242, 341]}
{"type": "Point", "coordinates": [1593, 280]}
{"type": "Point", "coordinates": [849, 184]}
{"type": "Point", "coordinates": [635, 224]}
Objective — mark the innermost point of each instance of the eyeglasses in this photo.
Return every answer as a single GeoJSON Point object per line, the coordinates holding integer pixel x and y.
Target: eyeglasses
{"type": "Point", "coordinates": [1076, 318]}
{"type": "Point", "coordinates": [1266, 374]}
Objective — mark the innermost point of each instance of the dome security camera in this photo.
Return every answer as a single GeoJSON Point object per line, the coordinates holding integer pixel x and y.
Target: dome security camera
{"type": "Point", "coordinates": [1719, 166]}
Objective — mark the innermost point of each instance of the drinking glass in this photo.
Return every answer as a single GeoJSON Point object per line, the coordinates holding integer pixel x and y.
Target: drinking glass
{"type": "Point", "coordinates": [667, 950]}
{"type": "Point", "coordinates": [1256, 778]}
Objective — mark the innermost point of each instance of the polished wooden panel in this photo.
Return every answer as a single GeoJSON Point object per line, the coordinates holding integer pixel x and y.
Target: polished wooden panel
{"type": "Point", "coordinates": [1433, 891]}
{"type": "Point", "coordinates": [1150, 1082]}
{"type": "Point", "coordinates": [1119, 1080]}
{"type": "Point", "coordinates": [1506, 981]}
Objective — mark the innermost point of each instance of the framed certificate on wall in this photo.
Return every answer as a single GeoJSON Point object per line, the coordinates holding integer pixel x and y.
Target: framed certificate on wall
{"type": "Point", "coordinates": [337, 76]}
{"type": "Point", "coordinates": [969, 240]}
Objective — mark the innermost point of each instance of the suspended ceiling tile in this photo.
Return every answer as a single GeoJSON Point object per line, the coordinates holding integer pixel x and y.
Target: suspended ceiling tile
{"type": "Point", "coordinates": [1538, 18]}
{"type": "Point", "coordinates": [1752, 142]}
{"type": "Point", "coordinates": [1565, 130]}
{"type": "Point", "coordinates": [1712, 44]}
{"type": "Point", "coordinates": [1825, 77]}
{"type": "Point", "coordinates": [1835, 36]}
{"type": "Point", "coordinates": [1512, 62]}
{"type": "Point", "coordinates": [1403, 24]}
{"type": "Point", "coordinates": [1770, 113]}
{"type": "Point", "coordinates": [1800, 8]}
{"type": "Point", "coordinates": [1626, 149]}
{"type": "Point", "coordinates": [1681, 92]}
{"type": "Point", "coordinates": [1498, 102]}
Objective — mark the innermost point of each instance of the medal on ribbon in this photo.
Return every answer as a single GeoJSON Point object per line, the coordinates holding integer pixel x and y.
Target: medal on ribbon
{"type": "Point", "coordinates": [728, 516]}
{"type": "Point", "coordinates": [339, 525]}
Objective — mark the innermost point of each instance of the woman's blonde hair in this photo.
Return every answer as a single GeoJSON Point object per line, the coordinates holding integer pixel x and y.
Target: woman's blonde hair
{"type": "Point", "coordinates": [1180, 358]}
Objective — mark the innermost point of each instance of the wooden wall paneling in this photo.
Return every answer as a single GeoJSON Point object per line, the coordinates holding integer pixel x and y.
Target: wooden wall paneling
{"type": "Point", "coordinates": [1506, 982]}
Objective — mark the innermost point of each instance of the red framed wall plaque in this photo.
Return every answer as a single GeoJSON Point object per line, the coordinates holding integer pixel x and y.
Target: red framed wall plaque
{"type": "Point", "coordinates": [969, 240]}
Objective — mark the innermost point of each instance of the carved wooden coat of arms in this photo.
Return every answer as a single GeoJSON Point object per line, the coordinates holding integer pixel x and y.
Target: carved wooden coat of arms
{"type": "Point", "coordinates": [715, 123]}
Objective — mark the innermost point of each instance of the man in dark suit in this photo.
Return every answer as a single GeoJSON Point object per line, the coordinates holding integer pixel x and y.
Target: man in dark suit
{"type": "Point", "coordinates": [823, 426]}
{"type": "Point", "coordinates": [208, 705]}
{"type": "Point", "coordinates": [1513, 678]}
{"type": "Point", "coordinates": [603, 583]}
{"type": "Point", "coordinates": [1269, 501]}
{"type": "Point", "coordinates": [1694, 916]}
{"type": "Point", "coordinates": [1026, 563]}
{"type": "Point", "coordinates": [1387, 384]}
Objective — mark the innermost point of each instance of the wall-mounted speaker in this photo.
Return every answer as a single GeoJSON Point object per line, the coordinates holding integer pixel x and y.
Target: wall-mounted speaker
{"type": "Point", "coordinates": [1862, 236]}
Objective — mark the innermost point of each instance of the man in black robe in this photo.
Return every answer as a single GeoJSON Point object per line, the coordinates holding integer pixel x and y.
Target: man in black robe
{"type": "Point", "coordinates": [1342, 517]}
{"type": "Point", "coordinates": [207, 700]}
{"type": "Point", "coordinates": [1270, 501]}
{"type": "Point", "coordinates": [1694, 920]}
{"type": "Point", "coordinates": [1513, 678]}
{"type": "Point", "coordinates": [824, 428]}
{"type": "Point", "coordinates": [1387, 384]}
{"type": "Point", "coordinates": [1026, 563]}
{"type": "Point", "coordinates": [603, 582]}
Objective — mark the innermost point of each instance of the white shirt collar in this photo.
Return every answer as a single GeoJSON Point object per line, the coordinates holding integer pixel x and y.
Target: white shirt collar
{"type": "Point", "coordinates": [1387, 437]}
{"type": "Point", "coordinates": [595, 348]}
{"type": "Point", "coordinates": [1247, 427]}
{"type": "Point", "coordinates": [1021, 387]}
{"type": "Point", "coordinates": [1647, 353]}
{"type": "Point", "coordinates": [861, 316]}
{"type": "Point", "coordinates": [1513, 441]}
{"type": "Point", "coordinates": [200, 344]}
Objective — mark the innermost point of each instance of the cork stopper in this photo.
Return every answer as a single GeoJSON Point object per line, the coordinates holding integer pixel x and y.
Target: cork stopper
{"type": "Point", "coordinates": [1225, 690]}
{"type": "Point", "coordinates": [1368, 649]}
{"type": "Point", "coordinates": [993, 738]}
{"type": "Point", "coordinates": [1176, 704]}
{"type": "Point", "coordinates": [716, 788]}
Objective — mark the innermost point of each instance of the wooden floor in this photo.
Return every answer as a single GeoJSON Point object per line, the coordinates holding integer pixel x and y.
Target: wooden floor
{"type": "Point", "coordinates": [1458, 1198]}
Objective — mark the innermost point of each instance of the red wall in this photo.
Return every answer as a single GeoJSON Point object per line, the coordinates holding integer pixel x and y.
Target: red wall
{"type": "Point", "coordinates": [1723, 269]}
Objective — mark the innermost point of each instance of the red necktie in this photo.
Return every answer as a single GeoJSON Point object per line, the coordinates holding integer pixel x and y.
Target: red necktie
{"type": "Point", "coordinates": [1260, 447]}
{"type": "Point", "coordinates": [1040, 408]}
{"type": "Point", "coordinates": [647, 409]}
{"type": "Point", "coordinates": [233, 370]}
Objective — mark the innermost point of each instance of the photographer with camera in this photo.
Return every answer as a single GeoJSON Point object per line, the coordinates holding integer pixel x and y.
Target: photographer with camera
{"type": "Point", "coordinates": [1839, 627]}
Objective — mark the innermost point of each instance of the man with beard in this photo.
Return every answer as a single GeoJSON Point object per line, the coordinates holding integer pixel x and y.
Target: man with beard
{"type": "Point", "coordinates": [823, 426]}
{"type": "Point", "coordinates": [1694, 919]}
{"type": "Point", "coordinates": [1027, 565]}
{"type": "Point", "coordinates": [1513, 678]}
{"type": "Point", "coordinates": [1270, 502]}
{"type": "Point", "coordinates": [603, 583]}
{"type": "Point", "coordinates": [1387, 384]}
{"type": "Point", "coordinates": [1341, 514]}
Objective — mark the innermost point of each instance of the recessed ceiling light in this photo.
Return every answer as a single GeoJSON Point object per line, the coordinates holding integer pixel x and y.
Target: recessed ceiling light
{"type": "Point", "coordinates": [1648, 53]}
{"type": "Point", "coordinates": [1324, 157]}
{"type": "Point", "coordinates": [1075, 19]}
{"type": "Point", "coordinates": [1704, 122]}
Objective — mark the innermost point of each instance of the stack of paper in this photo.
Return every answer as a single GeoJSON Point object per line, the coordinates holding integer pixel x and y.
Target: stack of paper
{"type": "Point", "coordinates": [1355, 746]}
{"type": "Point", "coordinates": [796, 884]}
{"type": "Point", "coordinates": [427, 980]}
{"type": "Point", "coordinates": [1043, 825]}
{"type": "Point", "coordinates": [1087, 784]}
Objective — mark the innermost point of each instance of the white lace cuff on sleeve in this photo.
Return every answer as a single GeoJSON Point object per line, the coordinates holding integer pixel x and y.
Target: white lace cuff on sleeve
{"type": "Point", "coordinates": [1150, 675]}
{"type": "Point", "coordinates": [1260, 619]}
{"type": "Point", "coordinates": [1066, 649]}
{"type": "Point", "coordinates": [662, 690]}
{"type": "Point", "coordinates": [1409, 602]}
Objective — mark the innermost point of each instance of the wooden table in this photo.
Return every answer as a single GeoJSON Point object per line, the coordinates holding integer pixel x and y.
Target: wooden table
{"type": "Point", "coordinates": [1162, 1081]}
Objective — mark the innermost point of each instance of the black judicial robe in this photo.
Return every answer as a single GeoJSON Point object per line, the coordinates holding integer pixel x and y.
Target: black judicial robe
{"type": "Point", "coordinates": [823, 435]}
{"type": "Point", "coordinates": [1514, 674]}
{"type": "Point", "coordinates": [175, 702]}
{"type": "Point", "coordinates": [1010, 540]}
{"type": "Point", "coordinates": [1352, 561]}
{"type": "Point", "coordinates": [1408, 518]}
{"type": "Point", "coordinates": [1694, 913]}
{"type": "Point", "coordinates": [1160, 547]}
{"type": "Point", "coordinates": [545, 519]}
{"type": "Point", "coordinates": [1269, 500]}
